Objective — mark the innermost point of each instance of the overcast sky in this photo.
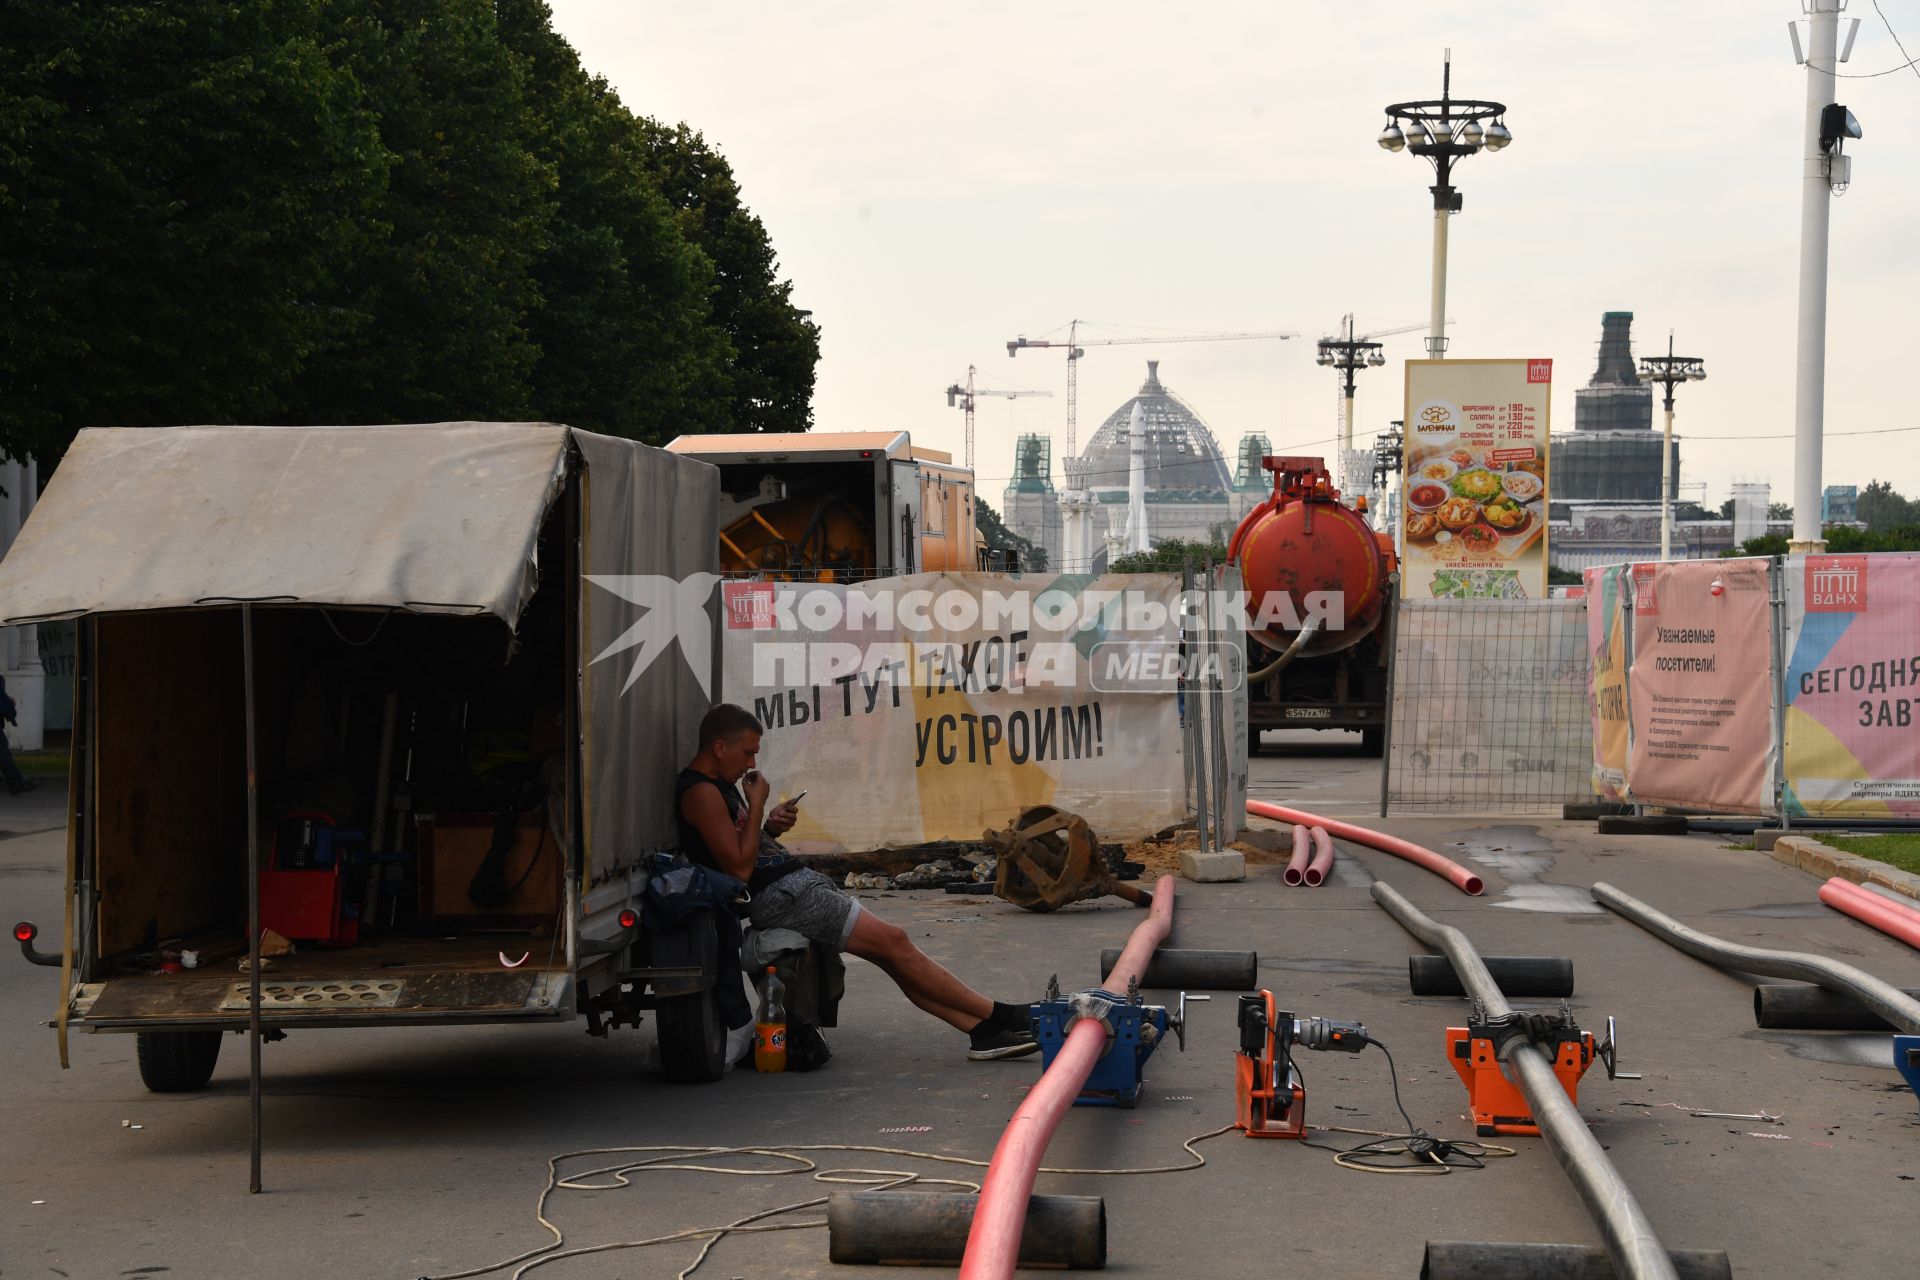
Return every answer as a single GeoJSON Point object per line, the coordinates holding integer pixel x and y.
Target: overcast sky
{"type": "Point", "coordinates": [937, 181]}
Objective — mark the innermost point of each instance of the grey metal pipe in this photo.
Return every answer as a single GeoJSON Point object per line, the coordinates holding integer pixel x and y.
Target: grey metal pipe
{"type": "Point", "coordinates": [1900, 1010]}
{"type": "Point", "coordinates": [1626, 1232]}
{"type": "Point", "coordinates": [1202, 970]}
{"type": "Point", "coordinates": [929, 1228]}
{"type": "Point", "coordinates": [1525, 977]}
{"type": "Point", "coordinates": [1795, 1007]}
{"type": "Point", "coordinates": [1472, 1260]}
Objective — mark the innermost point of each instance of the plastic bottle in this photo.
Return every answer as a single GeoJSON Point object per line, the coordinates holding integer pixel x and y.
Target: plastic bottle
{"type": "Point", "coordinates": [770, 1028]}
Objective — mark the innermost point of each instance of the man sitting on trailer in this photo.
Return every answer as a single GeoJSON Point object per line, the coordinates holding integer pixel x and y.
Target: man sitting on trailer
{"type": "Point", "coordinates": [721, 829]}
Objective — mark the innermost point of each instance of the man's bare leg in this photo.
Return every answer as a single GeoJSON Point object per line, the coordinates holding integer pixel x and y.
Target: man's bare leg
{"type": "Point", "coordinates": [924, 982]}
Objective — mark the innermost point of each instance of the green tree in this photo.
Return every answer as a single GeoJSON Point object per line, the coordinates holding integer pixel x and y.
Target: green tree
{"type": "Point", "coordinates": [775, 345]}
{"type": "Point", "coordinates": [182, 186]}
{"type": "Point", "coordinates": [442, 298]}
{"type": "Point", "coordinates": [1168, 556]}
{"type": "Point", "coordinates": [627, 337]}
{"type": "Point", "coordinates": [1881, 506]}
{"type": "Point", "coordinates": [1558, 577]}
{"type": "Point", "coordinates": [1000, 538]}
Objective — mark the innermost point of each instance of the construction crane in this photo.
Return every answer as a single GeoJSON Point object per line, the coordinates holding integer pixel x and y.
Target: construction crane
{"type": "Point", "coordinates": [1076, 348]}
{"type": "Point", "coordinates": [964, 396]}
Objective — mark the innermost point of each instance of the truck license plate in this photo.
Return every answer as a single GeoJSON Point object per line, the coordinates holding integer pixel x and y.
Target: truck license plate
{"type": "Point", "coordinates": [1308, 713]}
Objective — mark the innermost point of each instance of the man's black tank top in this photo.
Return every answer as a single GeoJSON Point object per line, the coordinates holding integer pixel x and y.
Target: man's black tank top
{"type": "Point", "coordinates": [770, 865]}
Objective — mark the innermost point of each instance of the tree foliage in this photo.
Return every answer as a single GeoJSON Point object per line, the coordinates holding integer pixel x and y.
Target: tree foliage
{"type": "Point", "coordinates": [328, 211]}
{"type": "Point", "coordinates": [1881, 506]}
{"type": "Point", "coordinates": [1841, 540]}
{"type": "Point", "coordinates": [1000, 538]}
{"type": "Point", "coordinates": [1169, 556]}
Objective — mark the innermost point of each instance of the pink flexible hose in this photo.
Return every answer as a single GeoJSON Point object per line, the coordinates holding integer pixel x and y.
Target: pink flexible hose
{"type": "Point", "coordinates": [1463, 879]}
{"type": "Point", "coordinates": [1322, 865]}
{"type": "Point", "coordinates": [1888, 917]}
{"type": "Point", "coordinates": [993, 1242]}
{"type": "Point", "coordinates": [1296, 872]}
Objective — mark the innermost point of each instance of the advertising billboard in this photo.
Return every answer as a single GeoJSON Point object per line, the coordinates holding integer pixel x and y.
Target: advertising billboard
{"type": "Point", "coordinates": [1473, 507]}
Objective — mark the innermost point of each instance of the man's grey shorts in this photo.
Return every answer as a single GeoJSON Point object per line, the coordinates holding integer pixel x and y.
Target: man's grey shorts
{"type": "Point", "coordinates": [809, 904]}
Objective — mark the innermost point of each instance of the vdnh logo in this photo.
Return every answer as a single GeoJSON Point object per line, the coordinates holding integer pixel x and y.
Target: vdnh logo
{"type": "Point", "coordinates": [1836, 584]}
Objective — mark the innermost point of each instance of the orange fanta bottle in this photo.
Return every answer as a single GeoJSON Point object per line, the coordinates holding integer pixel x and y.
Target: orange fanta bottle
{"type": "Point", "coordinates": [770, 1027]}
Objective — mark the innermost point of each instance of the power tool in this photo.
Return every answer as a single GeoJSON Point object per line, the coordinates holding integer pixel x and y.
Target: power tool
{"type": "Point", "coordinates": [1269, 1100]}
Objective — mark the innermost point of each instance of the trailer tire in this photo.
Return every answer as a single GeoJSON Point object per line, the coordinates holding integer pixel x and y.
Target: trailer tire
{"type": "Point", "coordinates": [177, 1061]}
{"type": "Point", "coordinates": [1253, 741]}
{"type": "Point", "coordinates": [693, 1039]}
{"type": "Point", "coordinates": [1373, 742]}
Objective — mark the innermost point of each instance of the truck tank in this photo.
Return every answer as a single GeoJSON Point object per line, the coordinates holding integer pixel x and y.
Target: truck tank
{"type": "Point", "coordinates": [1303, 539]}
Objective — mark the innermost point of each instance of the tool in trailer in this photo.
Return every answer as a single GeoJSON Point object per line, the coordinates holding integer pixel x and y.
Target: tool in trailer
{"type": "Point", "coordinates": [1269, 1099]}
{"type": "Point", "coordinates": [1476, 1050]}
{"type": "Point", "coordinates": [1134, 1030]}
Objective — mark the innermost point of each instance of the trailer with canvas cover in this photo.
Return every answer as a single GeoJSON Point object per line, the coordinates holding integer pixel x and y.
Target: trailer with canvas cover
{"type": "Point", "coordinates": [448, 669]}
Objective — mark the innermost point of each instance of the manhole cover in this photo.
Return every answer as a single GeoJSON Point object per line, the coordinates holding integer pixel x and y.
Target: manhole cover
{"type": "Point", "coordinates": [339, 993]}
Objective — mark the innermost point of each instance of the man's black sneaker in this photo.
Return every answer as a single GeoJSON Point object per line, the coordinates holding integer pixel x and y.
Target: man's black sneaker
{"type": "Point", "coordinates": [26, 784]}
{"type": "Point", "coordinates": [990, 1042]}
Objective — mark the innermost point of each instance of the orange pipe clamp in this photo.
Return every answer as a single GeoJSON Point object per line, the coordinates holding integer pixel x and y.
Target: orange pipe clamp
{"type": "Point", "coordinates": [1496, 1102]}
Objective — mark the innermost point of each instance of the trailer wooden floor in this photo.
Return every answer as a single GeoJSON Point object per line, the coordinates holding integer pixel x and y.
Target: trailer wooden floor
{"type": "Point", "coordinates": [387, 979]}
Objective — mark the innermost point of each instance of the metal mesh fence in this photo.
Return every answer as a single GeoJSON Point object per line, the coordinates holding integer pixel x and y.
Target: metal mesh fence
{"type": "Point", "coordinates": [1490, 707]}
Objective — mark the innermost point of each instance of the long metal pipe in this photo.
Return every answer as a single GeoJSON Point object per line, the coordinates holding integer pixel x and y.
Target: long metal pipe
{"type": "Point", "coordinates": [1872, 909]}
{"type": "Point", "coordinates": [1463, 879]}
{"type": "Point", "coordinates": [1636, 1252]}
{"type": "Point", "coordinates": [1896, 1006]}
{"type": "Point", "coordinates": [993, 1242]}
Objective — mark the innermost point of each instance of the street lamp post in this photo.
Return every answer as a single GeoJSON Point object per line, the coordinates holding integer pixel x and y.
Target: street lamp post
{"type": "Point", "coordinates": [1669, 370]}
{"type": "Point", "coordinates": [1346, 357]}
{"type": "Point", "coordinates": [1444, 131]}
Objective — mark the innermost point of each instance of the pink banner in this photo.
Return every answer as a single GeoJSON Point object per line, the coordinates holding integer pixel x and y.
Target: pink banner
{"type": "Point", "coordinates": [1853, 687]}
{"type": "Point", "coordinates": [1700, 688]}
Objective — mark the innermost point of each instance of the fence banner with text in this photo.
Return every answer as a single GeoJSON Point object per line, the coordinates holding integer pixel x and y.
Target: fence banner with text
{"type": "Point", "coordinates": [1853, 686]}
{"type": "Point", "coordinates": [1700, 690]}
{"type": "Point", "coordinates": [1474, 507]}
{"type": "Point", "coordinates": [1607, 687]}
{"type": "Point", "coordinates": [933, 706]}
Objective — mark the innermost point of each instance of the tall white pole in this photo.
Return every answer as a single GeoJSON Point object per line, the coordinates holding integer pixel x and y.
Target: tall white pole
{"type": "Point", "coordinates": [1810, 364]}
{"type": "Point", "coordinates": [1666, 482]}
{"type": "Point", "coordinates": [1437, 323]}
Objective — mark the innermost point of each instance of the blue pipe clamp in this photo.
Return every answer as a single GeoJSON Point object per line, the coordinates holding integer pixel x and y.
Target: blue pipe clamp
{"type": "Point", "coordinates": [1906, 1060]}
{"type": "Point", "coordinates": [1134, 1030]}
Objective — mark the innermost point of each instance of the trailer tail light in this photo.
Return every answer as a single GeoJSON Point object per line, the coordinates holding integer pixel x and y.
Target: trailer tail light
{"type": "Point", "coordinates": [25, 931]}
{"type": "Point", "coordinates": [866, 453]}
{"type": "Point", "coordinates": [628, 919]}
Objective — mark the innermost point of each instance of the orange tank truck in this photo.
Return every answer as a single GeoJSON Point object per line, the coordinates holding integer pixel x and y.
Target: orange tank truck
{"type": "Point", "coordinates": [1300, 546]}
{"type": "Point", "coordinates": [827, 506]}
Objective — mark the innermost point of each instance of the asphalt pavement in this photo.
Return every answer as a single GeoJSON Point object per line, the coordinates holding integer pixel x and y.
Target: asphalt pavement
{"type": "Point", "coordinates": [417, 1152]}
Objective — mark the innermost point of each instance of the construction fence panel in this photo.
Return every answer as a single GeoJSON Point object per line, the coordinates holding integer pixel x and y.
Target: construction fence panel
{"type": "Point", "coordinates": [1490, 707]}
{"type": "Point", "coordinates": [1701, 686]}
{"type": "Point", "coordinates": [1607, 640]}
{"type": "Point", "coordinates": [1852, 687]}
{"type": "Point", "coordinates": [933, 706]}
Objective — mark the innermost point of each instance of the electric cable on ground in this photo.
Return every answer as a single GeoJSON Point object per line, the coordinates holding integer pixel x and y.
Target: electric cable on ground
{"type": "Point", "coordinates": [877, 1179]}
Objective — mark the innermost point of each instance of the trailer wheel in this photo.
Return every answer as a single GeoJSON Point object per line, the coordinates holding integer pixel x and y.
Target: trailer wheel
{"type": "Point", "coordinates": [1253, 741]}
{"type": "Point", "coordinates": [693, 1039]}
{"type": "Point", "coordinates": [177, 1061]}
{"type": "Point", "coordinates": [1373, 742]}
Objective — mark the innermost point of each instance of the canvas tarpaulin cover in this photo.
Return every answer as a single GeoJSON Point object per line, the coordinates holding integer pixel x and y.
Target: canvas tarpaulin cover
{"type": "Point", "coordinates": [648, 636]}
{"type": "Point", "coordinates": [438, 518]}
